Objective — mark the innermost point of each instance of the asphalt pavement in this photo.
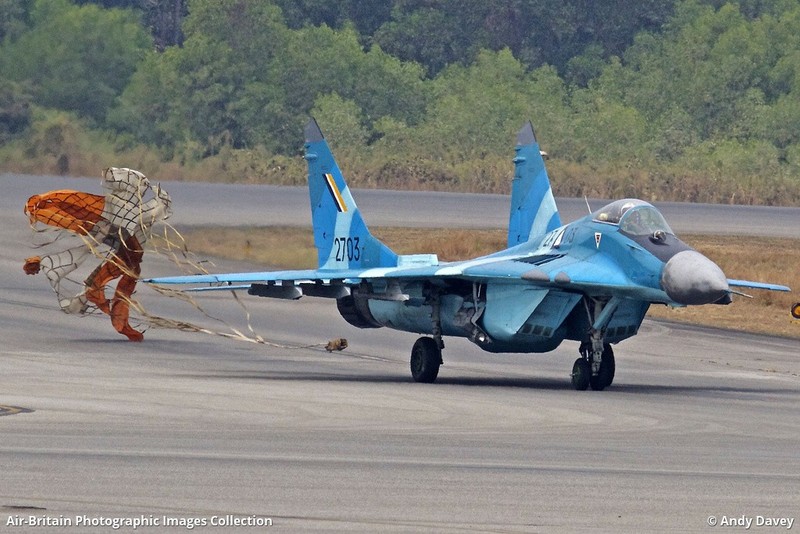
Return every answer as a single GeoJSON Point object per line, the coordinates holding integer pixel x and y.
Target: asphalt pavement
{"type": "Point", "coordinates": [700, 426]}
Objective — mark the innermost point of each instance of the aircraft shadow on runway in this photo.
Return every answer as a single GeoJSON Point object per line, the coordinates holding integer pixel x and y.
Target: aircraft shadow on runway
{"type": "Point", "coordinates": [533, 383]}
{"type": "Point", "coordinates": [199, 349]}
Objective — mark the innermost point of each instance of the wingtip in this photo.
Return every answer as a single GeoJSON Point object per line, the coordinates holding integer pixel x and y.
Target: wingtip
{"type": "Point", "coordinates": [312, 132]}
{"type": "Point", "coordinates": [526, 135]}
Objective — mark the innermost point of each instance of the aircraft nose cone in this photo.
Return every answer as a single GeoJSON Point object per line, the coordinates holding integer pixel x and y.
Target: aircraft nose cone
{"type": "Point", "coordinates": [691, 278]}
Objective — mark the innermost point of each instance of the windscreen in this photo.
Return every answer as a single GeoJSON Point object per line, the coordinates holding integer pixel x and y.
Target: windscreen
{"type": "Point", "coordinates": [635, 217]}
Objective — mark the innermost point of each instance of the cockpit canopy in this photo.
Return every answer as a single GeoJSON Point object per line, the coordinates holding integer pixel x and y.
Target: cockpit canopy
{"type": "Point", "coordinates": [634, 217]}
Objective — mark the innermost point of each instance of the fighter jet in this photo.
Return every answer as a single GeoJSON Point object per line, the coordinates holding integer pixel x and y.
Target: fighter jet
{"type": "Point", "coordinates": [589, 281]}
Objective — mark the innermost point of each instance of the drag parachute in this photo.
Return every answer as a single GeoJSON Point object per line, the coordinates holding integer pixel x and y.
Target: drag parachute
{"type": "Point", "coordinates": [112, 227]}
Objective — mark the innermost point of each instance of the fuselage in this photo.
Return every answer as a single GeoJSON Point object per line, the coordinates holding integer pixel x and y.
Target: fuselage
{"type": "Point", "coordinates": [625, 250]}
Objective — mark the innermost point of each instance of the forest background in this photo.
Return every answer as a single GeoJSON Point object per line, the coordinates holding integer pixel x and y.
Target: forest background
{"type": "Point", "coordinates": [689, 100]}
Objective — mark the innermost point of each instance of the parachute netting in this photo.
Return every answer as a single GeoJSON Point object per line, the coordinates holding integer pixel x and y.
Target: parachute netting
{"type": "Point", "coordinates": [114, 229]}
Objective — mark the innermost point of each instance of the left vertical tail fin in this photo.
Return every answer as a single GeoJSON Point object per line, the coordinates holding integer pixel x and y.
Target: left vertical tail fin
{"type": "Point", "coordinates": [533, 207]}
{"type": "Point", "coordinates": [340, 234]}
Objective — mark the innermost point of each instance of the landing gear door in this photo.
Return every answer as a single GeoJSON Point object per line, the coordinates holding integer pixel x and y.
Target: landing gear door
{"type": "Point", "coordinates": [508, 307]}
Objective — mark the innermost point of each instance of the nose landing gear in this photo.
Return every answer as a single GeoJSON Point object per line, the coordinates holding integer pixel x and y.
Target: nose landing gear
{"type": "Point", "coordinates": [582, 376]}
{"type": "Point", "coordinates": [596, 365]}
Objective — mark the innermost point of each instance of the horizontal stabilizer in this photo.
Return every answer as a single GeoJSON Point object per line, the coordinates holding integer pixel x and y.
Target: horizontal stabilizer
{"type": "Point", "coordinates": [757, 285]}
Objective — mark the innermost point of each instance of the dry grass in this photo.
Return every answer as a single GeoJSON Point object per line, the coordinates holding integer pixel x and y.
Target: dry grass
{"type": "Point", "coordinates": [761, 259]}
{"type": "Point", "coordinates": [752, 258]}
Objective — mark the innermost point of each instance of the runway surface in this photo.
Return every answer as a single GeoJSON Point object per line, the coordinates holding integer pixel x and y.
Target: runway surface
{"type": "Point", "coordinates": [699, 423]}
{"type": "Point", "coordinates": [263, 205]}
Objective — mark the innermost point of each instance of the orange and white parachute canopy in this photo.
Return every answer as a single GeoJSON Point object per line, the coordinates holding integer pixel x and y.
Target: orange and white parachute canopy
{"type": "Point", "coordinates": [112, 227]}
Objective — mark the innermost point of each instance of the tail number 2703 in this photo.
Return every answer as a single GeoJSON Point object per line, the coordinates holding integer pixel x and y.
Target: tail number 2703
{"type": "Point", "coordinates": [347, 248]}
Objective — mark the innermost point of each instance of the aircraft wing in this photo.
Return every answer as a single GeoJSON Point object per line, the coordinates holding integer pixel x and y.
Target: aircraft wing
{"type": "Point", "coordinates": [224, 281]}
{"type": "Point", "coordinates": [757, 285]}
{"type": "Point", "coordinates": [323, 276]}
{"type": "Point", "coordinates": [293, 284]}
{"type": "Point", "coordinates": [595, 276]}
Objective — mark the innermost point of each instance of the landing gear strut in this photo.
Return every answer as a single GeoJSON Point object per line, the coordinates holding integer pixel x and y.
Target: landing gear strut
{"type": "Point", "coordinates": [426, 355]}
{"type": "Point", "coordinates": [582, 375]}
{"type": "Point", "coordinates": [596, 365]}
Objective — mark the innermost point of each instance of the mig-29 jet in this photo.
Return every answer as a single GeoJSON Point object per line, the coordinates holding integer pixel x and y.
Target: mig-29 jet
{"type": "Point", "coordinates": [590, 281]}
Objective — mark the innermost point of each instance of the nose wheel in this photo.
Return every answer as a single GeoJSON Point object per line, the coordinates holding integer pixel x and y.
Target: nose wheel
{"type": "Point", "coordinates": [582, 375]}
{"type": "Point", "coordinates": [796, 311]}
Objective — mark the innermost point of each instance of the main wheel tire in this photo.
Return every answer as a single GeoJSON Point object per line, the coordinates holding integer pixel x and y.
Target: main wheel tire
{"type": "Point", "coordinates": [426, 357]}
{"type": "Point", "coordinates": [796, 311]}
{"type": "Point", "coordinates": [581, 374]}
{"type": "Point", "coordinates": [605, 376]}
{"type": "Point", "coordinates": [608, 366]}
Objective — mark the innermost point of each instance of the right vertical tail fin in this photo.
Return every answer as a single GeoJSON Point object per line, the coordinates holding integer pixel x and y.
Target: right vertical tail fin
{"type": "Point", "coordinates": [533, 207]}
{"type": "Point", "coordinates": [340, 234]}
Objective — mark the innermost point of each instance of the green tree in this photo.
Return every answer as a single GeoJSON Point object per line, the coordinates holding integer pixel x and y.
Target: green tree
{"type": "Point", "coordinates": [218, 88]}
{"type": "Point", "coordinates": [320, 60]}
{"type": "Point", "coordinates": [342, 120]}
{"type": "Point", "coordinates": [366, 15]}
{"type": "Point", "coordinates": [150, 109]}
{"type": "Point", "coordinates": [427, 36]}
{"type": "Point", "coordinates": [14, 18]}
{"type": "Point", "coordinates": [475, 110]}
{"type": "Point", "coordinates": [162, 17]}
{"type": "Point", "coordinates": [15, 110]}
{"type": "Point", "coordinates": [438, 33]}
{"type": "Point", "coordinates": [76, 58]}
{"type": "Point", "coordinates": [714, 74]}
{"type": "Point", "coordinates": [244, 79]}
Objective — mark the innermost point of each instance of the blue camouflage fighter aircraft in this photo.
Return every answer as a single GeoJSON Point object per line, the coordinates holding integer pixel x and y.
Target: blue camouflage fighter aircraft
{"type": "Point", "coordinates": [590, 281]}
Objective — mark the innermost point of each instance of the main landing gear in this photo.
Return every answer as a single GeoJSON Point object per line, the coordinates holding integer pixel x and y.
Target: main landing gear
{"type": "Point", "coordinates": [426, 357]}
